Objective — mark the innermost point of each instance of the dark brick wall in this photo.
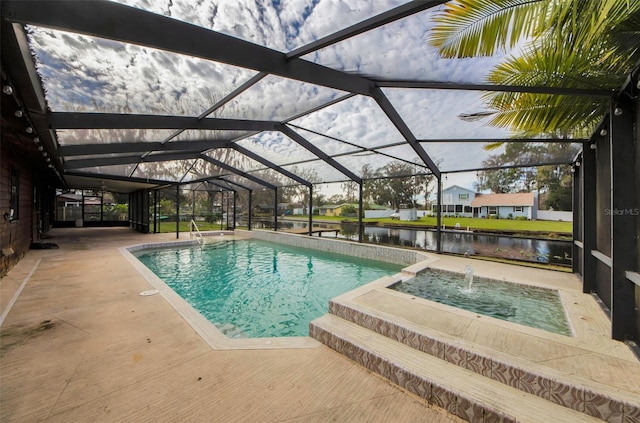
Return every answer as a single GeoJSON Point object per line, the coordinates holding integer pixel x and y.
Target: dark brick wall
{"type": "Point", "coordinates": [15, 236]}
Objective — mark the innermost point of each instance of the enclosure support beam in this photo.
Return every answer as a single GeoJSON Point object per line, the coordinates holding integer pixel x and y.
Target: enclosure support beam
{"type": "Point", "coordinates": [84, 120]}
{"type": "Point", "coordinates": [195, 146]}
{"type": "Point", "coordinates": [434, 85]}
{"type": "Point", "coordinates": [623, 217]}
{"type": "Point", "coordinates": [310, 210]}
{"type": "Point", "coordinates": [275, 208]}
{"type": "Point", "coordinates": [366, 25]}
{"type": "Point", "coordinates": [360, 212]}
{"type": "Point", "coordinates": [237, 171]}
{"type": "Point", "coordinates": [589, 227]}
{"type": "Point", "coordinates": [235, 200]}
{"type": "Point", "coordinates": [155, 211]}
{"type": "Point", "coordinates": [250, 212]}
{"type": "Point", "coordinates": [193, 205]}
{"type": "Point", "coordinates": [83, 219]}
{"type": "Point", "coordinates": [177, 211]}
{"type": "Point", "coordinates": [319, 153]}
{"type": "Point", "coordinates": [439, 216]}
{"type": "Point", "coordinates": [113, 161]}
{"type": "Point", "coordinates": [402, 127]}
{"type": "Point", "coordinates": [221, 209]}
{"type": "Point", "coordinates": [576, 187]}
{"type": "Point", "coordinates": [149, 29]}
{"type": "Point", "coordinates": [269, 164]}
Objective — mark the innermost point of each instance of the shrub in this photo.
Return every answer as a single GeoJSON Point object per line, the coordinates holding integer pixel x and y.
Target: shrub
{"type": "Point", "coordinates": [212, 217]}
{"type": "Point", "coordinates": [348, 211]}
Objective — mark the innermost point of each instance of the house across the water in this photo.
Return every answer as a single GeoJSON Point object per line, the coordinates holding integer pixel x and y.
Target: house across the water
{"type": "Point", "coordinates": [506, 206]}
{"type": "Point", "coordinates": [463, 202]}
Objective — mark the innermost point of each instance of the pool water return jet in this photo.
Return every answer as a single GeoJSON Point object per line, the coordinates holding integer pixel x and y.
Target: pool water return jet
{"type": "Point", "coordinates": [468, 277]}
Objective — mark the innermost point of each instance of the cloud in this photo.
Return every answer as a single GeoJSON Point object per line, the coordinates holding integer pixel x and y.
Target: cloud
{"type": "Point", "coordinates": [276, 147]}
{"type": "Point", "coordinates": [276, 98]}
{"type": "Point", "coordinates": [82, 73]}
{"type": "Point", "coordinates": [458, 155]}
{"type": "Point", "coordinates": [433, 114]}
{"type": "Point", "coordinates": [400, 50]}
{"type": "Point", "coordinates": [282, 26]}
{"type": "Point", "coordinates": [358, 120]}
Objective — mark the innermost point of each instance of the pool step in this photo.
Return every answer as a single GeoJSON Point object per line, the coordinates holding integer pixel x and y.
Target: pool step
{"type": "Point", "coordinates": [568, 390]}
{"type": "Point", "coordinates": [462, 392]}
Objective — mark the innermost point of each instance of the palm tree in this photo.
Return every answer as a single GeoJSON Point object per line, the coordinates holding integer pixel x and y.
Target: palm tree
{"type": "Point", "coordinates": [568, 43]}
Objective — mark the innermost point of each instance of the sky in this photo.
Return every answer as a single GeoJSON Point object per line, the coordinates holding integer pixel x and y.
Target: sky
{"type": "Point", "coordinates": [82, 73]}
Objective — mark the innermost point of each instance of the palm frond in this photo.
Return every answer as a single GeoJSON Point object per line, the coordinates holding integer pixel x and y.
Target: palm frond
{"type": "Point", "coordinates": [493, 145]}
{"type": "Point", "coordinates": [533, 114]}
{"type": "Point", "coordinates": [468, 28]}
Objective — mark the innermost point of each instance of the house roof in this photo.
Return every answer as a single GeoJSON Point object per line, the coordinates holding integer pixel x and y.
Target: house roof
{"type": "Point", "coordinates": [377, 207]}
{"type": "Point", "coordinates": [519, 199]}
{"type": "Point", "coordinates": [336, 206]}
{"type": "Point", "coordinates": [459, 187]}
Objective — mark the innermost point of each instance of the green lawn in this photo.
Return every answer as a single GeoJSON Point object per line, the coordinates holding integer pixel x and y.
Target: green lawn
{"type": "Point", "coordinates": [184, 226]}
{"type": "Point", "coordinates": [496, 224]}
{"type": "Point", "coordinates": [472, 223]}
{"type": "Point", "coordinates": [520, 226]}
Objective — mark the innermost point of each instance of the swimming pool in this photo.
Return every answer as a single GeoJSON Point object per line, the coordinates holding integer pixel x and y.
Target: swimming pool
{"type": "Point", "coordinates": [527, 305]}
{"type": "Point", "coordinates": [252, 288]}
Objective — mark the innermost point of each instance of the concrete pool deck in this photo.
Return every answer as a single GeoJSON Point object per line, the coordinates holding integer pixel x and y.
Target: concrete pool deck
{"type": "Point", "coordinates": [81, 344]}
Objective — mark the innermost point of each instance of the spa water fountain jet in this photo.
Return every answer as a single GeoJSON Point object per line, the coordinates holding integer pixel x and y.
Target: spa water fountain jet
{"type": "Point", "coordinates": [468, 277]}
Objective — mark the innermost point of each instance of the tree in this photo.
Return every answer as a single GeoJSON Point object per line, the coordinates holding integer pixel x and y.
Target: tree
{"type": "Point", "coordinates": [570, 43]}
{"type": "Point", "coordinates": [556, 185]}
{"type": "Point", "coordinates": [336, 199]}
{"type": "Point", "coordinates": [399, 183]}
{"type": "Point", "coordinates": [351, 191]}
{"type": "Point", "coordinates": [319, 199]}
{"type": "Point", "coordinates": [497, 180]}
{"type": "Point", "coordinates": [553, 182]}
{"type": "Point", "coordinates": [368, 185]}
{"type": "Point", "coordinates": [302, 192]}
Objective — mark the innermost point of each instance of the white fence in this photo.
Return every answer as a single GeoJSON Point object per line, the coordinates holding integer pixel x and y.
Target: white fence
{"type": "Point", "coordinates": [561, 216]}
{"type": "Point", "coordinates": [377, 214]}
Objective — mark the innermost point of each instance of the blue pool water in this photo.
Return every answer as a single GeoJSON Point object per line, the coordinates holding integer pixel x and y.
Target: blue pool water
{"type": "Point", "coordinates": [251, 288]}
{"type": "Point", "coordinates": [536, 307]}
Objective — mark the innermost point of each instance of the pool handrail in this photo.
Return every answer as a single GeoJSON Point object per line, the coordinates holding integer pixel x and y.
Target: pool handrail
{"type": "Point", "coordinates": [198, 234]}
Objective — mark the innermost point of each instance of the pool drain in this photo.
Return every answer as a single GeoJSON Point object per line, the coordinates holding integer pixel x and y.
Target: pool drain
{"type": "Point", "coordinates": [149, 292]}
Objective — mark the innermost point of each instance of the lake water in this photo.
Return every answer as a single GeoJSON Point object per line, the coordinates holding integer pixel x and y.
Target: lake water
{"type": "Point", "coordinates": [557, 252]}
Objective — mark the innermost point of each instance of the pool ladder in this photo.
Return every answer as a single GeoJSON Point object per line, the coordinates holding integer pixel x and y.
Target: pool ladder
{"type": "Point", "coordinates": [197, 234]}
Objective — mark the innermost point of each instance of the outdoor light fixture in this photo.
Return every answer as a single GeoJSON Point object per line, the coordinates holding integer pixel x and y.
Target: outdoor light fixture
{"type": "Point", "coordinates": [617, 111]}
{"type": "Point", "coordinates": [29, 130]}
{"type": "Point", "coordinates": [7, 90]}
{"type": "Point", "coordinates": [19, 113]}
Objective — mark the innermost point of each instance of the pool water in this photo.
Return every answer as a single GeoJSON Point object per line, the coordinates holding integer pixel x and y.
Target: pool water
{"type": "Point", "coordinates": [535, 307]}
{"type": "Point", "coordinates": [253, 289]}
